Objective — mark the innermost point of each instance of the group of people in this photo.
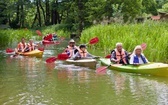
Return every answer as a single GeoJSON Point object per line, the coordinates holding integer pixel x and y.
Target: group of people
{"type": "Point", "coordinates": [25, 47]}
{"type": "Point", "coordinates": [75, 52]}
{"type": "Point", "coordinates": [51, 37]}
{"type": "Point", "coordinates": [121, 56]}
{"type": "Point", "coordinates": [118, 55]}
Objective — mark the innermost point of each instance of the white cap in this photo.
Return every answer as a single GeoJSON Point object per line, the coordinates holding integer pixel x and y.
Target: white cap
{"type": "Point", "coordinates": [71, 41]}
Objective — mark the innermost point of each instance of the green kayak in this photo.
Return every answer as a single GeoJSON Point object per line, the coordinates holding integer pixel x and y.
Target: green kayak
{"type": "Point", "coordinates": [158, 69]}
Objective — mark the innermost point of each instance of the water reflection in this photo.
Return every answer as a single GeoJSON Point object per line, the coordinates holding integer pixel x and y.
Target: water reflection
{"type": "Point", "coordinates": [140, 87]}
{"type": "Point", "coordinates": [73, 73]}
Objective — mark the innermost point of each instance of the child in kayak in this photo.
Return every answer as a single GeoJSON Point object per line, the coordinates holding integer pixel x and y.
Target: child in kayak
{"type": "Point", "coordinates": [138, 57]}
{"type": "Point", "coordinates": [82, 53]}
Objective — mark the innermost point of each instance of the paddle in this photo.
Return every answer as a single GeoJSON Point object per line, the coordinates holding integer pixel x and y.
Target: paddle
{"type": "Point", "coordinates": [9, 50]}
{"type": "Point", "coordinates": [59, 57]}
{"type": "Point", "coordinates": [38, 32]}
{"type": "Point", "coordinates": [143, 45]}
{"type": "Point", "coordinates": [65, 56]}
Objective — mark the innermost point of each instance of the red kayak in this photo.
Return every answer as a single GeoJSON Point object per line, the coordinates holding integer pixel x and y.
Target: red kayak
{"type": "Point", "coordinates": [50, 42]}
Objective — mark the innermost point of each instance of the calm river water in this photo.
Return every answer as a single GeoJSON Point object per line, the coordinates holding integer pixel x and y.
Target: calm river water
{"type": "Point", "coordinates": [30, 81]}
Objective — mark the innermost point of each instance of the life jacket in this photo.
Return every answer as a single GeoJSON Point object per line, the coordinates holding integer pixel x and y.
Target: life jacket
{"type": "Point", "coordinates": [70, 50]}
{"type": "Point", "coordinates": [121, 56]}
{"type": "Point", "coordinates": [21, 46]}
{"type": "Point", "coordinates": [136, 59]}
{"type": "Point", "coordinates": [30, 46]}
{"type": "Point", "coordinates": [83, 54]}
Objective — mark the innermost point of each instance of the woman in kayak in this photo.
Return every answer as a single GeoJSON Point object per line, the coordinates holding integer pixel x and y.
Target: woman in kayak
{"type": "Point", "coordinates": [119, 55]}
{"type": "Point", "coordinates": [82, 53]}
{"type": "Point", "coordinates": [71, 49]}
{"type": "Point", "coordinates": [22, 46]}
{"type": "Point", "coordinates": [138, 57]}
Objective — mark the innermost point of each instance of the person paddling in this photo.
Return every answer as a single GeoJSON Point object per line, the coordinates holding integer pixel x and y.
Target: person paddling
{"type": "Point", "coordinates": [71, 49]}
{"type": "Point", "coordinates": [82, 53]}
{"type": "Point", "coordinates": [138, 57]}
{"type": "Point", "coordinates": [119, 55]}
{"type": "Point", "coordinates": [22, 46]}
{"type": "Point", "coordinates": [31, 46]}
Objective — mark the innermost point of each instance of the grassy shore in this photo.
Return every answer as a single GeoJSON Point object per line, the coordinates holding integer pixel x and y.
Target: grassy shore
{"type": "Point", "coordinates": [154, 34]}
{"type": "Point", "coordinates": [8, 36]}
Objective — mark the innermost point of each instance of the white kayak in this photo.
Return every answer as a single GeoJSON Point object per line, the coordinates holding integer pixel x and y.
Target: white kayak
{"type": "Point", "coordinates": [91, 63]}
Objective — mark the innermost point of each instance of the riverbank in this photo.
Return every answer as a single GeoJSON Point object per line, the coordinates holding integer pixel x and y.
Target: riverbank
{"type": "Point", "coordinates": [154, 34]}
{"type": "Point", "coordinates": [8, 36]}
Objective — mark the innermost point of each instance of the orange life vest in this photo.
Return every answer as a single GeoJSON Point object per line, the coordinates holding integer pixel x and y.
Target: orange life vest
{"type": "Point", "coordinates": [71, 50]}
{"type": "Point", "coordinates": [30, 46]}
{"type": "Point", "coordinates": [83, 54]}
{"type": "Point", "coordinates": [21, 46]}
{"type": "Point", "coordinates": [121, 56]}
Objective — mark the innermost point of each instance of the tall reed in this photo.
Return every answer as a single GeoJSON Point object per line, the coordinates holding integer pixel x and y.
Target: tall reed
{"type": "Point", "coordinates": [154, 34]}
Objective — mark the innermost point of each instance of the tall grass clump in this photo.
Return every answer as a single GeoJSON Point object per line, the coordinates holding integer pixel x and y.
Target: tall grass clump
{"type": "Point", "coordinates": [154, 34]}
{"type": "Point", "coordinates": [10, 35]}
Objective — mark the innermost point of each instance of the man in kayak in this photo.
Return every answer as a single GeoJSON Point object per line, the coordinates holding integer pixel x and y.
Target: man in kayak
{"type": "Point", "coordinates": [138, 57]}
{"type": "Point", "coordinates": [119, 55]}
{"type": "Point", "coordinates": [22, 46]}
{"type": "Point", "coordinates": [71, 49]}
{"type": "Point", "coordinates": [31, 46]}
{"type": "Point", "coordinates": [82, 53]}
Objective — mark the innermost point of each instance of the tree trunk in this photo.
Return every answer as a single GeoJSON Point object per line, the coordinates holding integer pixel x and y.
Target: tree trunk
{"type": "Point", "coordinates": [47, 21]}
{"type": "Point", "coordinates": [42, 11]}
{"type": "Point", "coordinates": [80, 16]}
{"type": "Point", "coordinates": [38, 12]}
{"type": "Point", "coordinates": [22, 17]}
{"type": "Point", "coordinates": [18, 14]}
{"type": "Point", "coordinates": [34, 21]}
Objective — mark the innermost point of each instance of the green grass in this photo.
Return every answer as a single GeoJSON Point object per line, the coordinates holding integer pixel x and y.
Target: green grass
{"type": "Point", "coordinates": [8, 36]}
{"type": "Point", "coordinates": [154, 34]}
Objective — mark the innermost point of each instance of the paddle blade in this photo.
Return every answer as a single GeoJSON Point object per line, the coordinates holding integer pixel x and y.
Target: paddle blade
{"type": "Point", "coordinates": [62, 56]}
{"type": "Point", "coordinates": [143, 45]}
{"type": "Point", "coordinates": [108, 56]}
{"type": "Point", "coordinates": [41, 48]}
{"type": "Point", "coordinates": [9, 50]}
{"type": "Point", "coordinates": [39, 32]}
{"type": "Point", "coordinates": [51, 60]}
{"type": "Point", "coordinates": [101, 69]}
{"type": "Point", "coordinates": [94, 40]}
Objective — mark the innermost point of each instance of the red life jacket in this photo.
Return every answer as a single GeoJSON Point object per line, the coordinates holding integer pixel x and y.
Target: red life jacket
{"type": "Point", "coordinates": [121, 56]}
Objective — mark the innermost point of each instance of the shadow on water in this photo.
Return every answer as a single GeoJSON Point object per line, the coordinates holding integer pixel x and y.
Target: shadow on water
{"type": "Point", "coordinates": [31, 81]}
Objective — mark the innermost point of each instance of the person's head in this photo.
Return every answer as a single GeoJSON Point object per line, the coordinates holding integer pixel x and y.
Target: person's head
{"type": "Point", "coordinates": [138, 50]}
{"type": "Point", "coordinates": [82, 47]}
{"type": "Point", "coordinates": [72, 43]}
{"type": "Point", "coordinates": [23, 40]}
{"type": "Point", "coordinates": [31, 41]}
{"type": "Point", "coordinates": [119, 46]}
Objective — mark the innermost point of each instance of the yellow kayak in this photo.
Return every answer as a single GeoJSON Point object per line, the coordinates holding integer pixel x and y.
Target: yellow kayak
{"type": "Point", "coordinates": [34, 53]}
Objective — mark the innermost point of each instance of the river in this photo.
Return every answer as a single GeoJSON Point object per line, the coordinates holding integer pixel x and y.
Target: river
{"type": "Point", "coordinates": [30, 81]}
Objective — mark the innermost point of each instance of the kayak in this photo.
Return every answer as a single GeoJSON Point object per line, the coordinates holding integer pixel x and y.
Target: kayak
{"type": "Point", "coordinates": [91, 63]}
{"type": "Point", "coordinates": [157, 69]}
{"type": "Point", "coordinates": [34, 53]}
{"type": "Point", "coordinates": [50, 42]}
